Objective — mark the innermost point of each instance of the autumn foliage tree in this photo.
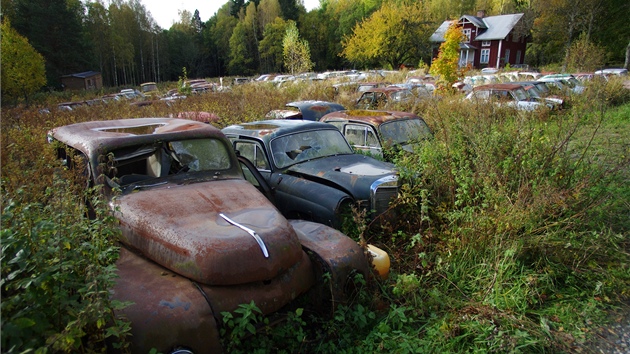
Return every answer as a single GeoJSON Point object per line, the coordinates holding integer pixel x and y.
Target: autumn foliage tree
{"type": "Point", "coordinates": [296, 52]}
{"type": "Point", "coordinates": [23, 69]}
{"type": "Point", "coordinates": [446, 65]}
{"type": "Point", "coordinates": [394, 35]}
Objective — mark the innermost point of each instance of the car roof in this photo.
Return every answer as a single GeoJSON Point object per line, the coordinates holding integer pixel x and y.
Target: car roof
{"type": "Point", "coordinates": [505, 86]}
{"type": "Point", "coordinates": [374, 117]}
{"type": "Point", "coordinates": [271, 128]}
{"type": "Point", "coordinates": [387, 90]}
{"type": "Point", "coordinates": [314, 110]}
{"type": "Point", "coordinates": [95, 137]}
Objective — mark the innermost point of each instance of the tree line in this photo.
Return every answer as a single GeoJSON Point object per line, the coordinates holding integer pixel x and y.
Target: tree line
{"type": "Point", "coordinates": [121, 40]}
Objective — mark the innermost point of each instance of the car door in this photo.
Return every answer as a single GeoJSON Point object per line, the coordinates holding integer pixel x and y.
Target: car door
{"type": "Point", "coordinates": [253, 176]}
{"type": "Point", "coordinates": [254, 163]}
{"type": "Point", "coordinates": [363, 138]}
{"type": "Point", "coordinates": [294, 196]}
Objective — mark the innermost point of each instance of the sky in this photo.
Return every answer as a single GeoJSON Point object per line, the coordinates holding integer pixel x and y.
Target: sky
{"type": "Point", "coordinates": [165, 12]}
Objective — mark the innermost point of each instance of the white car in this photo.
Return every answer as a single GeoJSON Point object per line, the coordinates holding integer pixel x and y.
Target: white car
{"type": "Point", "coordinates": [565, 82]}
{"type": "Point", "coordinates": [510, 95]}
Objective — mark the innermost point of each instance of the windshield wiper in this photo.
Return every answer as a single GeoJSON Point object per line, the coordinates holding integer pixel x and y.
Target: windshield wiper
{"type": "Point", "coordinates": [134, 187]}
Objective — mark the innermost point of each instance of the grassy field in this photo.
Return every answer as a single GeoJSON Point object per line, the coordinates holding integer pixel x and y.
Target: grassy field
{"type": "Point", "coordinates": [514, 236]}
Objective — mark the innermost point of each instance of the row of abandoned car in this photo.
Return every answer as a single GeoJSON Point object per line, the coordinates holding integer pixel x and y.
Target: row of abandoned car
{"type": "Point", "coordinates": [212, 219]}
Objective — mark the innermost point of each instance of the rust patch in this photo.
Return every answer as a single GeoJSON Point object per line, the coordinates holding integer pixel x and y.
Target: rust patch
{"type": "Point", "coordinates": [168, 310]}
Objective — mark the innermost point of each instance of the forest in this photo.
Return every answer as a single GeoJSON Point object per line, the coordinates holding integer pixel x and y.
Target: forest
{"type": "Point", "coordinates": [121, 40]}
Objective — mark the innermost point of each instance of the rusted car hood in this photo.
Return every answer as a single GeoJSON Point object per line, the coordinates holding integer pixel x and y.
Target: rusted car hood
{"type": "Point", "coordinates": [355, 173]}
{"type": "Point", "coordinates": [180, 227]}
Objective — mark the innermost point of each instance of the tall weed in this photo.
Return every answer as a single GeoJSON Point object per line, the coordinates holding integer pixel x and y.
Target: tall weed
{"type": "Point", "coordinates": [57, 271]}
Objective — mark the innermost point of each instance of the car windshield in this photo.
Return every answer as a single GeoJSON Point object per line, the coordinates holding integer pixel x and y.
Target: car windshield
{"type": "Point", "coordinates": [401, 95]}
{"type": "Point", "coordinates": [533, 92]}
{"type": "Point", "coordinates": [137, 163]}
{"type": "Point", "coordinates": [291, 149]}
{"type": "Point", "coordinates": [542, 87]}
{"type": "Point", "coordinates": [149, 87]}
{"type": "Point", "coordinates": [402, 131]}
{"type": "Point", "coordinates": [520, 94]}
{"type": "Point", "coordinates": [571, 82]}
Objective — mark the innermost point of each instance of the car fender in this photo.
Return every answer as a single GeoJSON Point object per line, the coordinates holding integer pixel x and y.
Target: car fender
{"type": "Point", "coordinates": [336, 253]}
{"type": "Point", "coordinates": [305, 199]}
{"type": "Point", "coordinates": [167, 310]}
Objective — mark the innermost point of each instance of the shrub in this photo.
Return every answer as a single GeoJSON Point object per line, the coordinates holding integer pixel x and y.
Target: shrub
{"type": "Point", "coordinates": [57, 269]}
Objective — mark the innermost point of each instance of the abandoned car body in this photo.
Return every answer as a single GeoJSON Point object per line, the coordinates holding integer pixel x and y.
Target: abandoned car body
{"type": "Point", "coordinates": [197, 238]}
{"type": "Point", "coordinates": [380, 132]}
{"type": "Point", "coordinates": [307, 110]}
{"type": "Point", "coordinates": [508, 95]}
{"type": "Point", "coordinates": [312, 170]}
{"type": "Point", "coordinates": [383, 97]}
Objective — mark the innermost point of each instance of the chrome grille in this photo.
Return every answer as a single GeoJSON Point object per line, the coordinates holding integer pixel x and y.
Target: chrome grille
{"type": "Point", "coordinates": [383, 192]}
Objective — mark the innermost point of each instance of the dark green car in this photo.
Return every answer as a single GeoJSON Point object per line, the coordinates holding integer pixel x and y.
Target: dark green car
{"type": "Point", "coordinates": [311, 172]}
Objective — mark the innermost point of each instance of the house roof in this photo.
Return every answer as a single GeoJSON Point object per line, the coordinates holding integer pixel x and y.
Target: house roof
{"type": "Point", "coordinates": [467, 46]}
{"type": "Point", "coordinates": [477, 21]}
{"type": "Point", "coordinates": [83, 75]}
{"type": "Point", "coordinates": [438, 35]}
{"type": "Point", "coordinates": [496, 27]}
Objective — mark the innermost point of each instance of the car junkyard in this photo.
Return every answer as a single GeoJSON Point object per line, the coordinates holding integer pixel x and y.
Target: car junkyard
{"type": "Point", "coordinates": [218, 210]}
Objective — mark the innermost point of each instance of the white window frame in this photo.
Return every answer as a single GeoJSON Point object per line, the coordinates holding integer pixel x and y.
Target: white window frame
{"type": "Point", "coordinates": [467, 32]}
{"type": "Point", "coordinates": [484, 53]}
{"type": "Point", "coordinates": [485, 43]}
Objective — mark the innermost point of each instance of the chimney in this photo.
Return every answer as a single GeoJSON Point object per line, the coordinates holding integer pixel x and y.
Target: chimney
{"type": "Point", "coordinates": [481, 13]}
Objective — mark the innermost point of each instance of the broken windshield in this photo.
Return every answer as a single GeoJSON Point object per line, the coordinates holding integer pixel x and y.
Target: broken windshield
{"type": "Point", "coordinates": [402, 131]}
{"type": "Point", "coordinates": [291, 149]}
{"type": "Point", "coordinates": [134, 164]}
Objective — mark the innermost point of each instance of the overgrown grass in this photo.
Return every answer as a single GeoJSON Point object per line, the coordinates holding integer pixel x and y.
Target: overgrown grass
{"type": "Point", "coordinates": [514, 236]}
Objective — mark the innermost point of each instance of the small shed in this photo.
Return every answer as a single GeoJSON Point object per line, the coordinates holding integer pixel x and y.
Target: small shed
{"type": "Point", "coordinates": [88, 80]}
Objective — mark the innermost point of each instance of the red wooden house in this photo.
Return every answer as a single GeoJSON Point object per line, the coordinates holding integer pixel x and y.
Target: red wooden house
{"type": "Point", "coordinates": [492, 41]}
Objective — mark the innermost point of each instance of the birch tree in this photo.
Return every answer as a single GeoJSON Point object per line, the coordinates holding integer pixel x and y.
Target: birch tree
{"type": "Point", "coordinates": [296, 53]}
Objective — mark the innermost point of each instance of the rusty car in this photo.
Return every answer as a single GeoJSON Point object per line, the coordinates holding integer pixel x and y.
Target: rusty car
{"type": "Point", "coordinates": [383, 97]}
{"type": "Point", "coordinates": [197, 238]}
{"type": "Point", "coordinates": [307, 110]}
{"type": "Point", "coordinates": [380, 132]}
{"type": "Point", "coordinates": [312, 171]}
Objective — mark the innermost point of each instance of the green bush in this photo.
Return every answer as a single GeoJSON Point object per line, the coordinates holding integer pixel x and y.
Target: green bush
{"type": "Point", "coordinates": [57, 269]}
